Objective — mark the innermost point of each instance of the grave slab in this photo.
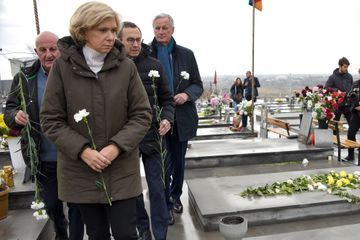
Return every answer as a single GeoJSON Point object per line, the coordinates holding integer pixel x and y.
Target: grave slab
{"type": "Point", "coordinates": [289, 115]}
{"type": "Point", "coordinates": [211, 123]}
{"type": "Point", "coordinates": [213, 198]}
{"type": "Point", "coordinates": [221, 133]}
{"type": "Point", "coordinates": [348, 232]}
{"type": "Point", "coordinates": [234, 152]}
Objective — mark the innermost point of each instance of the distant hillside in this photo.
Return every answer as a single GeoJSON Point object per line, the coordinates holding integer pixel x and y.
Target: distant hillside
{"type": "Point", "coordinates": [272, 86]}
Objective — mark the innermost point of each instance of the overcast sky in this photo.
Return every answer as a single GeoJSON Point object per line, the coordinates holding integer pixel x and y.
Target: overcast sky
{"type": "Point", "coordinates": [291, 36]}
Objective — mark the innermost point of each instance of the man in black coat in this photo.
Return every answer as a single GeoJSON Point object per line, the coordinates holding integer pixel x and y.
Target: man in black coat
{"type": "Point", "coordinates": [156, 86]}
{"type": "Point", "coordinates": [341, 80]}
{"type": "Point", "coordinates": [354, 124]}
{"type": "Point", "coordinates": [33, 80]}
{"type": "Point", "coordinates": [185, 83]}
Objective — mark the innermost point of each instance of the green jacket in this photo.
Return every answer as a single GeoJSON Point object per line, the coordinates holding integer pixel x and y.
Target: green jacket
{"type": "Point", "coordinates": [120, 113]}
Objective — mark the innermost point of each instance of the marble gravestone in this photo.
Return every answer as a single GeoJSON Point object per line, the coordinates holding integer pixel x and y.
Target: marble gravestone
{"type": "Point", "coordinates": [305, 128]}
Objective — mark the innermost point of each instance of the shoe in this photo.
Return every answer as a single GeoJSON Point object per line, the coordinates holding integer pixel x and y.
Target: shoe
{"type": "Point", "coordinates": [58, 237]}
{"type": "Point", "coordinates": [178, 207]}
{"type": "Point", "coordinates": [171, 217]}
{"type": "Point", "coordinates": [349, 158]}
{"type": "Point", "coordinates": [146, 235]}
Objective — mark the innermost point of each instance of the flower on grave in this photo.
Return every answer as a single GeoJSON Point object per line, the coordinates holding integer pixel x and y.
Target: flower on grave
{"type": "Point", "coordinates": [323, 102]}
{"type": "Point", "coordinates": [321, 187]}
{"type": "Point", "coordinates": [343, 174]}
{"type": "Point", "coordinates": [244, 108]}
{"type": "Point", "coordinates": [215, 101]}
{"type": "Point", "coordinates": [330, 180]}
{"type": "Point", "coordinates": [278, 100]}
{"type": "Point", "coordinates": [81, 116]}
{"type": "Point", "coordinates": [4, 130]}
{"type": "Point", "coordinates": [335, 183]}
{"type": "Point", "coordinates": [305, 162]}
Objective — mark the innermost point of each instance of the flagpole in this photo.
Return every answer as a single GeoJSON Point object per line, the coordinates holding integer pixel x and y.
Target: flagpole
{"type": "Point", "coordinates": [252, 66]}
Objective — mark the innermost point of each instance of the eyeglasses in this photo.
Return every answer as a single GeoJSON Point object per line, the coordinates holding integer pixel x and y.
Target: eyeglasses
{"type": "Point", "coordinates": [133, 40]}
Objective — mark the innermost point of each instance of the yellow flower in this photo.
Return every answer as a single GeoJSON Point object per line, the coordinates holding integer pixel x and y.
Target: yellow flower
{"type": "Point", "coordinates": [343, 174]}
{"type": "Point", "coordinates": [339, 183]}
{"type": "Point", "coordinates": [350, 176]}
{"type": "Point", "coordinates": [337, 175]}
{"type": "Point", "coordinates": [3, 128]}
{"type": "Point", "coordinates": [331, 180]}
{"type": "Point", "coordinates": [345, 181]}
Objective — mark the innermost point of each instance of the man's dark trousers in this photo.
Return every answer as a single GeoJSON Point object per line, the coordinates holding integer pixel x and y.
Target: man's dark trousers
{"type": "Point", "coordinates": [158, 208]}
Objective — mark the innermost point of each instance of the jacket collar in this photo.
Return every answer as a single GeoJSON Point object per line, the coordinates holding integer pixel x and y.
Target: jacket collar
{"type": "Point", "coordinates": [72, 51]}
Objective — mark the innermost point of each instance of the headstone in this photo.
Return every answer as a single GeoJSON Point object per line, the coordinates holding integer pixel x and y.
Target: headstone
{"type": "Point", "coordinates": [323, 137]}
{"type": "Point", "coordinates": [305, 128]}
{"type": "Point", "coordinates": [15, 153]}
{"type": "Point", "coordinates": [263, 122]}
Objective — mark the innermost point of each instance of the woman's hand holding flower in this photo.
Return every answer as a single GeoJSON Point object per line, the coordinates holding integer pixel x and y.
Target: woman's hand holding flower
{"type": "Point", "coordinates": [110, 152]}
{"type": "Point", "coordinates": [95, 159]}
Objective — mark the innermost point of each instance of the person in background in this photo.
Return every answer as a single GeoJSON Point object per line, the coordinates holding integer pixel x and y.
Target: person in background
{"type": "Point", "coordinates": [248, 93]}
{"type": "Point", "coordinates": [130, 35]}
{"type": "Point", "coordinates": [341, 80]}
{"type": "Point", "coordinates": [185, 83]}
{"type": "Point", "coordinates": [35, 78]}
{"type": "Point", "coordinates": [354, 124]}
{"type": "Point", "coordinates": [236, 92]}
{"type": "Point", "coordinates": [93, 74]}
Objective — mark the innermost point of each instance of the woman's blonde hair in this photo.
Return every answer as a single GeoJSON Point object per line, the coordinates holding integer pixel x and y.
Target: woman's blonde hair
{"type": "Point", "coordinates": [88, 16]}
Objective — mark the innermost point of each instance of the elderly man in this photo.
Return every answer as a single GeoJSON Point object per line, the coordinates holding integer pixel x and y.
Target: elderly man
{"type": "Point", "coordinates": [35, 78]}
{"type": "Point", "coordinates": [130, 36]}
{"type": "Point", "coordinates": [185, 83]}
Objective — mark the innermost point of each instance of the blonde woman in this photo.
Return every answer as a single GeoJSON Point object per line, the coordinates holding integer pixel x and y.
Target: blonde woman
{"type": "Point", "coordinates": [93, 73]}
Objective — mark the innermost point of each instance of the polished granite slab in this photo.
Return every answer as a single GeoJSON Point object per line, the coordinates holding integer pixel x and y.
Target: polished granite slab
{"type": "Point", "coordinates": [348, 232]}
{"type": "Point", "coordinates": [216, 197]}
{"type": "Point", "coordinates": [233, 152]}
{"type": "Point", "coordinates": [221, 133]}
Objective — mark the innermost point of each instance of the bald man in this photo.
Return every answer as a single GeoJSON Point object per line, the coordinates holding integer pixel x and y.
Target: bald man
{"type": "Point", "coordinates": [34, 87]}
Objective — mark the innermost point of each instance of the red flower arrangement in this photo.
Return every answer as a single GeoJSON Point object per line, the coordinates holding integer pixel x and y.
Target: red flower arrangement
{"type": "Point", "coordinates": [323, 102]}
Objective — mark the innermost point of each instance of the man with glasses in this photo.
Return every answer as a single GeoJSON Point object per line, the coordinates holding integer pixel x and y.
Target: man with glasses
{"type": "Point", "coordinates": [186, 85]}
{"type": "Point", "coordinates": [130, 36]}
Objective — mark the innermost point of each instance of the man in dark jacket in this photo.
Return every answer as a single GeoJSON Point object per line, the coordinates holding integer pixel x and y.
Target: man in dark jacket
{"type": "Point", "coordinates": [248, 91]}
{"type": "Point", "coordinates": [185, 83]}
{"type": "Point", "coordinates": [248, 86]}
{"type": "Point", "coordinates": [158, 93]}
{"type": "Point", "coordinates": [354, 125]}
{"type": "Point", "coordinates": [33, 81]}
{"type": "Point", "coordinates": [341, 80]}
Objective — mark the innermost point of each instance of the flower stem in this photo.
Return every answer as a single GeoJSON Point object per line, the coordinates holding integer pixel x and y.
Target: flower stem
{"type": "Point", "coordinates": [93, 146]}
{"type": "Point", "coordinates": [162, 150]}
{"type": "Point", "coordinates": [31, 150]}
{"type": "Point", "coordinates": [105, 189]}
